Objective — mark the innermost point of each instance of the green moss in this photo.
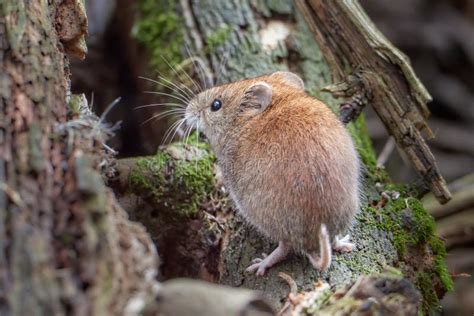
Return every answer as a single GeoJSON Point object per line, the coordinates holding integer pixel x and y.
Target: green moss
{"type": "Point", "coordinates": [177, 179]}
{"type": "Point", "coordinates": [407, 220]}
{"type": "Point", "coordinates": [219, 36]}
{"type": "Point", "coordinates": [439, 265]}
{"type": "Point", "coordinates": [360, 266]}
{"type": "Point", "coordinates": [424, 282]}
{"type": "Point", "coordinates": [148, 174]}
{"type": "Point", "coordinates": [160, 29]}
{"type": "Point", "coordinates": [195, 178]}
{"type": "Point", "coordinates": [413, 229]}
{"type": "Point", "coordinates": [438, 271]}
{"type": "Point", "coordinates": [363, 143]}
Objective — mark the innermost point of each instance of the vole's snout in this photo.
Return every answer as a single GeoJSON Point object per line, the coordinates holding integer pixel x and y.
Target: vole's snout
{"type": "Point", "coordinates": [191, 116]}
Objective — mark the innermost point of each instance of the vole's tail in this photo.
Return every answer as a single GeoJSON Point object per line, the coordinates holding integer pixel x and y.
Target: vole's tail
{"type": "Point", "coordinates": [323, 261]}
{"type": "Point", "coordinates": [325, 247]}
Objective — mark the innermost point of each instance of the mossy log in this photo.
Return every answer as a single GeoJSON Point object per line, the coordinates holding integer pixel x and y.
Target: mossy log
{"type": "Point", "coordinates": [392, 230]}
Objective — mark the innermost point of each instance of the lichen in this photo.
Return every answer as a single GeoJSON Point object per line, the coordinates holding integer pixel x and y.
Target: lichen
{"type": "Point", "coordinates": [219, 36]}
{"type": "Point", "coordinates": [75, 103]}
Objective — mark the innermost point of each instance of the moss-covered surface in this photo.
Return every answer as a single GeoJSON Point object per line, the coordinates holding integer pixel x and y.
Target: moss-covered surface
{"type": "Point", "coordinates": [177, 178]}
{"type": "Point", "coordinates": [412, 231]}
{"type": "Point", "coordinates": [168, 193]}
{"type": "Point", "coordinates": [362, 141]}
{"type": "Point", "coordinates": [160, 29]}
{"type": "Point", "coordinates": [219, 36]}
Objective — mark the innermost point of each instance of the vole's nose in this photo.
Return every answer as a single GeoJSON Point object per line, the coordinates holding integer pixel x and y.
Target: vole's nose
{"type": "Point", "coordinates": [190, 117]}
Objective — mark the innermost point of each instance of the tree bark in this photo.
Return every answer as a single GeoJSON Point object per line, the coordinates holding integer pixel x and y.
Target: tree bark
{"type": "Point", "coordinates": [66, 246]}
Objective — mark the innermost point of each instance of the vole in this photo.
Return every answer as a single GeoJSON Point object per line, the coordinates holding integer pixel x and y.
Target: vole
{"type": "Point", "coordinates": [288, 163]}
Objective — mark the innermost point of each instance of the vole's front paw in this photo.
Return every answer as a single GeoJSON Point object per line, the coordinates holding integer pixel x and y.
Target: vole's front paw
{"type": "Point", "coordinates": [343, 245]}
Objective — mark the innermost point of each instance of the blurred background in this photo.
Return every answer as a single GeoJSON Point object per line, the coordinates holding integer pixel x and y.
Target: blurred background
{"type": "Point", "coordinates": [437, 35]}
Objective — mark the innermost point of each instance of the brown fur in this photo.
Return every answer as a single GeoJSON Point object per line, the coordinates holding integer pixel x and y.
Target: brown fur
{"type": "Point", "coordinates": [289, 168]}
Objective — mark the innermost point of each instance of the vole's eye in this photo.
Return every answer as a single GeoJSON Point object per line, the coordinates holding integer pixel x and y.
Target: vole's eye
{"type": "Point", "coordinates": [216, 105]}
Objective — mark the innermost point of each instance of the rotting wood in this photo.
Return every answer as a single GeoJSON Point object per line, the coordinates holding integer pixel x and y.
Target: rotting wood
{"type": "Point", "coordinates": [368, 69]}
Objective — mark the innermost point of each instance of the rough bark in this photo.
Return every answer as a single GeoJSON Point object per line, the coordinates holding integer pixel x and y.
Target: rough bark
{"type": "Point", "coordinates": [66, 246]}
{"type": "Point", "coordinates": [392, 229]}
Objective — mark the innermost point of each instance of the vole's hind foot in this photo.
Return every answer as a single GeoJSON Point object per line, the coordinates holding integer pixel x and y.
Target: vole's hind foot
{"type": "Point", "coordinates": [322, 261]}
{"type": "Point", "coordinates": [260, 266]}
{"type": "Point", "coordinates": [258, 260]}
{"type": "Point", "coordinates": [343, 245]}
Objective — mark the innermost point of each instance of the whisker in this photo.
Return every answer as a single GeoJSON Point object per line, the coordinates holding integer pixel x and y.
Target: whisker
{"type": "Point", "coordinates": [188, 134]}
{"type": "Point", "coordinates": [197, 145]}
{"type": "Point", "coordinates": [178, 87]}
{"type": "Point", "coordinates": [221, 67]}
{"type": "Point", "coordinates": [170, 112]}
{"type": "Point", "coordinates": [163, 114]}
{"type": "Point", "coordinates": [198, 87]}
{"type": "Point", "coordinates": [178, 105]}
{"type": "Point", "coordinates": [197, 131]}
{"type": "Point", "coordinates": [199, 68]}
{"type": "Point", "coordinates": [187, 98]}
{"type": "Point", "coordinates": [167, 94]}
{"type": "Point", "coordinates": [175, 127]}
{"type": "Point", "coordinates": [180, 91]}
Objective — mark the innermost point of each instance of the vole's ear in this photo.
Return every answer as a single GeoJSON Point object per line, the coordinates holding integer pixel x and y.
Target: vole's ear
{"type": "Point", "coordinates": [289, 78]}
{"type": "Point", "coordinates": [258, 96]}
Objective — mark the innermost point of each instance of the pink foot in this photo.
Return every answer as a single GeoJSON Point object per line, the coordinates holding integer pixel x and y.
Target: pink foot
{"type": "Point", "coordinates": [260, 266]}
{"type": "Point", "coordinates": [343, 245]}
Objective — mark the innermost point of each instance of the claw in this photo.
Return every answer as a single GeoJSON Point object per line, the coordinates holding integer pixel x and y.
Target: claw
{"type": "Point", "coordinates": [259, 265]}
{"type": "Point", "coordinates": [257, 260]}
{"type": "Point", "coordinates": [346, 238]}
{"type": "Point", "coordinates": [259, 268]}
{"type": "Point", "coordinates": [252, 268]}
